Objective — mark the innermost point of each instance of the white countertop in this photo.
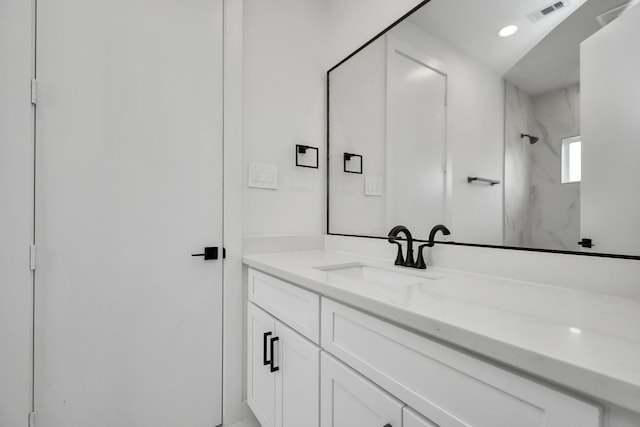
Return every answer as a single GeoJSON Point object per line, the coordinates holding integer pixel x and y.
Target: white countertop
{"type": "Point", "coordinates": [583, 341]}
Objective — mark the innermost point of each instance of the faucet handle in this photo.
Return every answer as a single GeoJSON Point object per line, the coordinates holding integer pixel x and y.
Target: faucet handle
{"type": "Point", "coordinates": [420, 261]}
{"type": "Point", "coordinates": [399, 257]}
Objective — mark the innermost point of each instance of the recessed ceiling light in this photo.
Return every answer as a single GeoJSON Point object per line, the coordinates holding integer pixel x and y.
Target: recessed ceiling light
{"type": "Point", "coordinates": [507, 31]}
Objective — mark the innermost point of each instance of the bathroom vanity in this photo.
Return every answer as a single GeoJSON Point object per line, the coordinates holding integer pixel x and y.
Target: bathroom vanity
{"type": "Point", "coordinates": [340, 340]}
{"type": "Point", "coordinates": [438, 120]}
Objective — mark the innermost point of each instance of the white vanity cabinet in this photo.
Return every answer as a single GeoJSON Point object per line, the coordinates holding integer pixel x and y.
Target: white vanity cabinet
{"type": "Point", "coordinates": [283, 366]}
{"type": "Point", "coordinates": [447, 386]}
{"type": "Point", "coordinates": [349, 400]}
{"type": "Point", "coordinates": [373, 373]}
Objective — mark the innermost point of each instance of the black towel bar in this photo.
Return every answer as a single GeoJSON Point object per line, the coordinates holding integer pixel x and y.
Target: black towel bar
{"type": "Point", "coordinates": [487, 180]}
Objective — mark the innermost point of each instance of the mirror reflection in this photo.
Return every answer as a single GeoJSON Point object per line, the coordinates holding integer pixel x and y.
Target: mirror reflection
{"type": "Point", "coordinates": [514, 123]}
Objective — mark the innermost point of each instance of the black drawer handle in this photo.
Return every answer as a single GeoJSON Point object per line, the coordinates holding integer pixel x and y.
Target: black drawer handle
{"type": "Point", "coordinates": [272, 342]}
{"type": "Point", "coordinates": [387, 425]}
{"type": "Point", "coordinates": [265, 361]}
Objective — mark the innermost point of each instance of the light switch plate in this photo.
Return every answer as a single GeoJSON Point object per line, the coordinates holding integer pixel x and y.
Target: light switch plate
{"type": "Point", "coordinates": [372, 186]}
{"type": "Point", "coordinates": [263, 176]}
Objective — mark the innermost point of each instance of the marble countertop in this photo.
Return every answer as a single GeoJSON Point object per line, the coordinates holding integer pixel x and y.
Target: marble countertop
{"type": "Point", "coordinates": [582, 341]}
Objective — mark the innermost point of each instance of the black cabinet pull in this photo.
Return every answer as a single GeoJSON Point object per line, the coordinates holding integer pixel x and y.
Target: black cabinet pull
{"type": "Point", "coordinates": [265, 361]}
{"type": "Point", "coordinates": [272, 341]}
{"type": "Point", "coordinates": [387, 425]}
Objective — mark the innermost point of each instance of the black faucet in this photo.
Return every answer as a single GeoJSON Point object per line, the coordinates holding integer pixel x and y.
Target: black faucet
{"type": "Point", "coordinates": [420, 262]}
{"type": "Point", "coordinates": [393, 238]}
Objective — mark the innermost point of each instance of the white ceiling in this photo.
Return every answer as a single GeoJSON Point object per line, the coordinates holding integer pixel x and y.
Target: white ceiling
{"type": "Point", "coordinates": [554, 63]}
{"type": "Point", "coordinates": [471, 27]}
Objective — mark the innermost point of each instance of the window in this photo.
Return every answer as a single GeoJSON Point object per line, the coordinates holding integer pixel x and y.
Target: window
{"type": "Point", "coordinates": [571, 160]}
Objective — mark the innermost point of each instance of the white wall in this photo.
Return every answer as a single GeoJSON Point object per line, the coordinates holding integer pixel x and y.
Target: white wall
{"type": "Point", "coordinates": [233, 315]}
{"type": "Point", "coordinates": [288, 47]}
{"type": "Point", "coordinates": [610, 86]}
{"type": "Point", "coordinates": [285, 51]}
{"type": "Point", "coordinates": [354, 22]}
{"type": "Point", "coordinates": [357, 119]}
{"type": "Point", "coordinates": [16, 210]}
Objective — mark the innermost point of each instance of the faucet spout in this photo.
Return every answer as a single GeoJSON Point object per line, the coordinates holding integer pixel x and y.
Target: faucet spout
{"type": "Point", "coordinates": [420, 263]}
{"type": "Point", "coordinates": [434, 230]}
{"type": "Point", "coordinates": [393, 237]}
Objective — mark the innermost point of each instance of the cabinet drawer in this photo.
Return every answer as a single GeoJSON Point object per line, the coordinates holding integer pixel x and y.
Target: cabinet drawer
{"type": "Point", "coordinates": [447, 386]}
{"type": "Point", "coordinates": [294, 306]}
{"type": "Point", "coordinates": [347, 399]}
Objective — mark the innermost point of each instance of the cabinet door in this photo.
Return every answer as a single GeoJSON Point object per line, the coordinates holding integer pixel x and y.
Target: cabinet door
{"type": "Point", "coordinates": [298, 379]}
{"type": "Point", "coordinates": [350, 400]}
{"type": "Point", "coordinates": [411, 418]}
{"type": "Point", "coordinates": [261, 382]}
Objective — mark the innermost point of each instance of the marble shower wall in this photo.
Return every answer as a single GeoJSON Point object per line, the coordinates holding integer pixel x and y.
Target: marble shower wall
{"type": "Point", "coordinates": [540, 211]}
{"type": "Point", "coordinates": [555, 207]}
{"type": "Point", "coordinates": [519, 119]}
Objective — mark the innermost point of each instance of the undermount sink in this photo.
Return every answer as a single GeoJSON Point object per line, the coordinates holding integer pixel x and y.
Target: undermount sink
{"type": "Point", "coordinates": [377, 275]}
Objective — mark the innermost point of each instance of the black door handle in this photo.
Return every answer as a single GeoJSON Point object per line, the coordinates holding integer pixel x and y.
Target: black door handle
{"type": "Point", "coordinates": [211, 253]}
{"type": "Point", "coordinates": [272, 341]}
{"type": "Point", "coordinates": [586, 243]}
{"type": "Point", "coordinates": [265, 361]}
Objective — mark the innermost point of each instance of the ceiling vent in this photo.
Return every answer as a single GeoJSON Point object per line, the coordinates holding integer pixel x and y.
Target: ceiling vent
{"type": "Point", "coordinates": [608, 16]}
{"type": "Point", "coordinates": [547, 10]}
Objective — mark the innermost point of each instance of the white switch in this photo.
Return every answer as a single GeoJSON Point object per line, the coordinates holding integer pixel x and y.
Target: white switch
{"type": "Point", "coordinates": [263, 176]}
{"type": "Point", "coordinates": [372, 186]}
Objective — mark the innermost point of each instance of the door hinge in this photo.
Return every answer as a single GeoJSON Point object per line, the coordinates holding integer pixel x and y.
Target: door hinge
{"type": "Point", "coordinates": [32, 419]}
{"type": "Point", "coordinates": [34, 91]}
{"type": "Point", "coordinates": [32, 257]}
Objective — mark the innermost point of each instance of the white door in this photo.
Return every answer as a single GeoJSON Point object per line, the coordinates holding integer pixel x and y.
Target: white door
{"type": "Point", "coordinates": [347, 399]}
{"type": "Point", "coordinates": [609, 126]}
{"type": "Point", "coordinates": [416, 139]}
{"type": "Point", "coordinates": [16, 210]}
{"type": "Point", "coordinates": [128, 185]}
